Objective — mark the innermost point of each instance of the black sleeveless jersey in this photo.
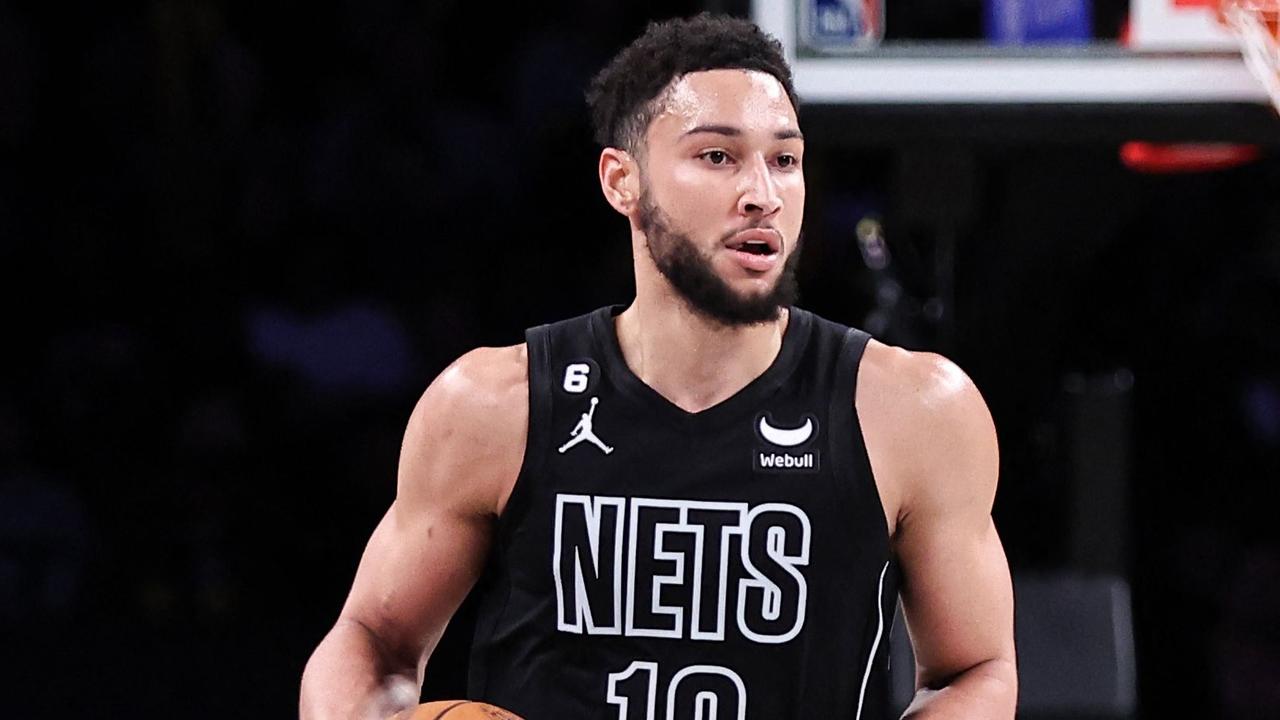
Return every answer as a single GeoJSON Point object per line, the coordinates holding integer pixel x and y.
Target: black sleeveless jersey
{"type": "Point", "coordinates": [656, 564]}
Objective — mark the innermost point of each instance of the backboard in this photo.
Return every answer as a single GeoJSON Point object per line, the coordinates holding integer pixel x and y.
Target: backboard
{"type": "Point", "coordinates": [1176, 54]}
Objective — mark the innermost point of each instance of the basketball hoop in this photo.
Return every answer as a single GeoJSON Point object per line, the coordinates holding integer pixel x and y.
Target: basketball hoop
{"type": "Point", "coordinates": [1255, 24]}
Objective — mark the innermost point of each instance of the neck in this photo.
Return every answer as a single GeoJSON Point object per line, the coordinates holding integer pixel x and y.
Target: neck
{"type": "Point", "coordinates": [693, 361]}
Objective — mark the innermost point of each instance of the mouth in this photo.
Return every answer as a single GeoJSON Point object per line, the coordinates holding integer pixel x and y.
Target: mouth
{"type": "Point", "coordinates": [756, 250]}
{"type": "Point", "coordinates": [756, 241]}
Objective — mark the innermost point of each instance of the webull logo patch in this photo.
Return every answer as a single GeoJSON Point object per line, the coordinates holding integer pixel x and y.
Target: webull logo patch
{"type": "Point", "coordinates": [786, 447]}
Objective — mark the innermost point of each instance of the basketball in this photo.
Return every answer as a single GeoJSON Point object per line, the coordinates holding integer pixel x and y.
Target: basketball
{"type": "Point", "coordinates": [456, 710]}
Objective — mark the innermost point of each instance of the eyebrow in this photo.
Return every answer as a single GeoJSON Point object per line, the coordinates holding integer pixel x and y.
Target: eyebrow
{"type": "Point", "coordinates": [732, 131]}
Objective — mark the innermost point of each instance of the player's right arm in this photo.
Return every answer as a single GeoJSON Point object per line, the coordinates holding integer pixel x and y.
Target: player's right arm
{"type": "Point", "coordinates": [462, 451]}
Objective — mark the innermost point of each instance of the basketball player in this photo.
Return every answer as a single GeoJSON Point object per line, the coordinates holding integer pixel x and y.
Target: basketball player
{"type": "Point", "coordinates": [704, 504]}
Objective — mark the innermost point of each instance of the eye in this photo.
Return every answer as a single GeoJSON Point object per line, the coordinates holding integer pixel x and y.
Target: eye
{"type": "Point", "coordinates": [716, 157]}
{"type": "Point", "coordinates": [788, 160]}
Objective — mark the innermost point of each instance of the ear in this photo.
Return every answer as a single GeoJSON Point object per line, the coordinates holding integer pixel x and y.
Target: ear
{"type": "Point", "coordinates": [620, 179]}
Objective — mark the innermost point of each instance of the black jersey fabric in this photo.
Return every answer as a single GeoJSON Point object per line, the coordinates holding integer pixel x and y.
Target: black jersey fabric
{"type": "Point", "coordinates": [656, 564]}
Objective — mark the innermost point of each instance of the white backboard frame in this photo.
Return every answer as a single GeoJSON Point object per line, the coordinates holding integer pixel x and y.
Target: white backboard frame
{"type": "Point", "coordinates": [951, 74]}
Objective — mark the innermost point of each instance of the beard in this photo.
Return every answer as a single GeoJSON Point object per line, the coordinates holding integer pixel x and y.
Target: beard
{"type": "Point", "coordinates": [691, 273]}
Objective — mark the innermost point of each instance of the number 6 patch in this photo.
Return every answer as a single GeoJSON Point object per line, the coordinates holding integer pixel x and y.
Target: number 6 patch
{"type": "Point", "coordinates": [580, 376]}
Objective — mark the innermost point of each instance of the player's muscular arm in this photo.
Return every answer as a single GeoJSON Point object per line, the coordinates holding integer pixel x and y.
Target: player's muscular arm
{"type": "Point", "coordinates": [462, 451]}
{"type": "Point", "coordinates": [936, 445]}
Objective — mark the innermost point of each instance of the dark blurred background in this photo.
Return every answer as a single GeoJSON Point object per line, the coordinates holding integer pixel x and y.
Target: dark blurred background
{"type": "Point", "coordinates": [237, 240]}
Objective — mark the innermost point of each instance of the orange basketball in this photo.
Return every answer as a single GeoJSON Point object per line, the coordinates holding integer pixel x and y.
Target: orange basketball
{"type": "Point", "coordinates": [456, 710]}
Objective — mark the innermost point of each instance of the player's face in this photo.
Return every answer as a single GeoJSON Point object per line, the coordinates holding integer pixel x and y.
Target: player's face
{"type": "Point", "coordinates": [722, 195]}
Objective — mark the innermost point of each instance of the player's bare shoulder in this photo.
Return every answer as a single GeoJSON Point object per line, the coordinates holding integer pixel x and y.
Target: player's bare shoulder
{"type": "Point", "coordinates": [464, 443]}
{"type": "Point", "coordinates": [921, 383]}
{"type": "Point", "coordinates": [921, 416]}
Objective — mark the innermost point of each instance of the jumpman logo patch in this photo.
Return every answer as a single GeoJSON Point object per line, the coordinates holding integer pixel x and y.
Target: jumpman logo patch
{"type": "Point", "coordinates": [582, 432]}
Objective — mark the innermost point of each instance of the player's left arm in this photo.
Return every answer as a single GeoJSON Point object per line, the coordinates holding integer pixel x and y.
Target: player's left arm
{"type": "Point", "coordinates": [957, 596]}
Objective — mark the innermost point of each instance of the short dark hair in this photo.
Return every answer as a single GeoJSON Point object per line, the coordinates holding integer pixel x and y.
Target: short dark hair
{"type": "Point", "coordinates": [622, 96]}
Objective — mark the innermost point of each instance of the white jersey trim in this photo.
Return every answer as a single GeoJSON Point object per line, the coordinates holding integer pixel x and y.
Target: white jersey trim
{"type": "Point", "coordinates": [875, 644]}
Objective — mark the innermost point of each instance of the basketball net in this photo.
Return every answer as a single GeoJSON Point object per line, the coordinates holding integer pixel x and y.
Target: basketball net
{"type": "Point", "coordinates": [1254, 23]}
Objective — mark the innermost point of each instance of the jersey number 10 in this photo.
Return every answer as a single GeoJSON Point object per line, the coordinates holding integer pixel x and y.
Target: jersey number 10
{"type": "Point", "coordinates": [697, 692]}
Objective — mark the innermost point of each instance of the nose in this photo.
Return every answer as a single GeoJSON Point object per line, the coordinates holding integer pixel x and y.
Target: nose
{"type": "Point", "coordinates": [758, 194]}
